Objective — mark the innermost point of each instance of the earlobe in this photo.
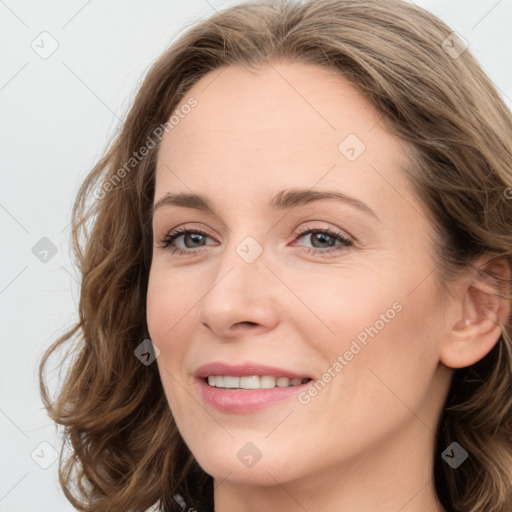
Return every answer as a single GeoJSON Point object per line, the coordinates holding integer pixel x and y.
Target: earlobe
{"type": "Point", "coordinates": [483, 309]}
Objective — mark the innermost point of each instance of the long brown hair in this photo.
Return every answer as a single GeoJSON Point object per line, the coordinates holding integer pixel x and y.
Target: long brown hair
{"type": "Point", "coordinates": [124, 450]}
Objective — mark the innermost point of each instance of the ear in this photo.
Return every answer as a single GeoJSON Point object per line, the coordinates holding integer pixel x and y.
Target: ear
{"type": "Point", "coordinates": [483, 308]}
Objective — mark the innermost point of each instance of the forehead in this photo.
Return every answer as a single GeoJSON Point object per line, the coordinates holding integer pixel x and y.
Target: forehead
{"type": "Point", "coordinates": [280, 125]}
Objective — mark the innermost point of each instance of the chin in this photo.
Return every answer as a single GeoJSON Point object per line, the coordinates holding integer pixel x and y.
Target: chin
{"type": "Point", "coordinates": [231, 469]}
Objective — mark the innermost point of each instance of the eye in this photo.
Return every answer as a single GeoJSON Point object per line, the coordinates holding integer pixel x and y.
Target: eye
{"type": "Point", "coordinates": [325, 240]}
{"type": "Point", "coordinates": [192, 240]}
{"type": "Point", "coordinates": [189, 235]}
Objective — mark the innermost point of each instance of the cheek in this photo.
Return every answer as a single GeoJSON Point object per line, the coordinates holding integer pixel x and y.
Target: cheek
{"type": "Point", "coordinates": [164, 309]}
{"type": "Point", "coordinates": [345, 306]}
{"type": "Point", "coordinates": [166, 303]}
{"type": "Point", "coordinates": [396, 355]}
{"type": "Point", "coordinates": [386, 335]}
{"type": "Point", "coordinates": [158, 297]}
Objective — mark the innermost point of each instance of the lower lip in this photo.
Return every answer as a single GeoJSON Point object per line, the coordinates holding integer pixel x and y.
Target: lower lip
{"type": "Point", "coordinates": [246, 400]}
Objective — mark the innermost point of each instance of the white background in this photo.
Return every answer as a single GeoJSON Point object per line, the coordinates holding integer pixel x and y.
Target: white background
{"type": "Point", "coordinates": [57, 115]}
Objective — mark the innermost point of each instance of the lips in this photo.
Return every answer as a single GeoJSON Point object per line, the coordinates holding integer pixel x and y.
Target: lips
{"type": "Point", "coordinates": [246, 370]}
{"type": "Point", "coordinates": [245, 401]}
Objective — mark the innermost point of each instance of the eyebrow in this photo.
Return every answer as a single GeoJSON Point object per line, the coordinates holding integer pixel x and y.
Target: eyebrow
{"type": "Point", "coordinates": [283, 200]}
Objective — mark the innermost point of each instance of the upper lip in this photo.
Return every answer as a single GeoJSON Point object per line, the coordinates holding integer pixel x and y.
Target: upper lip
{"type": "Point", "coordinates": [245, 370]}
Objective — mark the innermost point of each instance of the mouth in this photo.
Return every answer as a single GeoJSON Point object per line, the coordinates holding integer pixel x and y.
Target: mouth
{"type": "Point", "coordinates": [247, 387]}
{"type": "Point", "coordinates": [249, 394]}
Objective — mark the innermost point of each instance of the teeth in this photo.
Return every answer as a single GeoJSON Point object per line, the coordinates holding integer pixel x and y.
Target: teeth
{"type": "Point", "coordinates": [267, 382]}
{"type": "Point", "coordinates": [253, 382]}
{"type": "Point", "coordinates": [282, 382]}
{"type": "Point", "coordinates": [231, 382]}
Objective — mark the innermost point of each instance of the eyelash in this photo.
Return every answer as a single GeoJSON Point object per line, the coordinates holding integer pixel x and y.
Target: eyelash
{"type": "Point", "coordinates": [346, 243]}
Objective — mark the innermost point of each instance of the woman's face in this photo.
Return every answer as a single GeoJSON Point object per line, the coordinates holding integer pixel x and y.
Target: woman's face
{"type": "Point", "coordinates": [282, 273]}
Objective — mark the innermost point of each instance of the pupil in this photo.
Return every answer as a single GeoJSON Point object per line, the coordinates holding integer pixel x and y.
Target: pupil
{"type": "Point", "coordinates": [192, 235]}
{"type": "Point", "coordinates": [322, 235]}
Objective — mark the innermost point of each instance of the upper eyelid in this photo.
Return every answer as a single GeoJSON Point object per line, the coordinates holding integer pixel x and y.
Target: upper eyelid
{"type": "Point", "coordinates": [185, 229]}
{"type": "Point", "coordinates": [200, 226]}
{"type": "Point", "coordinates": [189, 226]}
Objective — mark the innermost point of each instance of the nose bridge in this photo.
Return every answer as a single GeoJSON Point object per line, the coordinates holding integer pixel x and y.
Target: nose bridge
{"type": "Point", "coordinates": [241, 290]}
{"type": "Point", "coordinates": [244, 248]}
{"type": "Point", "coordinates": [242, 268]}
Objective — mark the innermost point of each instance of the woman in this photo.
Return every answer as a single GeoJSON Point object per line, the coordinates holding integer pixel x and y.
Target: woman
{"type": "Point", "coordinates": [296, 282]}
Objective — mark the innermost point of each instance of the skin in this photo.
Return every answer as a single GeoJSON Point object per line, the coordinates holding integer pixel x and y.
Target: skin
{"type": "Point", "coordinates": [364, 442]}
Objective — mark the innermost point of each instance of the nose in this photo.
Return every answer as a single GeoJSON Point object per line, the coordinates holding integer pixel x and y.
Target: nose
{"type": "Point", "coordinates": [243, 296]}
